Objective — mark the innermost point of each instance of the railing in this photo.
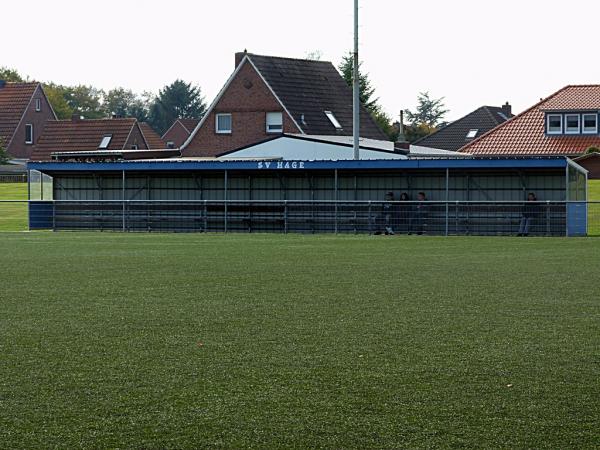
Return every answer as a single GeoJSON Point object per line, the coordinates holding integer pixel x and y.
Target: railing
{"type": "Point", "coordinates": [13, 178]}
{"type": "Point", "coordinates": [430, 218]}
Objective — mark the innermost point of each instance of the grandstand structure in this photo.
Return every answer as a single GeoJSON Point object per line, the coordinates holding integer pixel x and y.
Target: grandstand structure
{"type": "Point", "coordinates": [464, 196]}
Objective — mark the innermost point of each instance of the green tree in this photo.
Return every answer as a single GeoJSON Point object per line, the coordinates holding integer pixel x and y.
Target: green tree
{"type": "Point", "coordinates": [56, 96]}
{"type": "Point", "coordinates": [3, 154]}
{"type": "Point", "coordinates": [591, 150]}
{"type": "Point", "coordinates": [125, 103]}
{"type": "Point", "coordinates": [179, 100]}
{"type": "Point", "coordinates": [85, 100]}
{"type": "Point", "coordinates": [367, 91]}
{"type": "Point", "coordinates": [429, 111]}
{"type": "Point", "coordinates": [7, 74]}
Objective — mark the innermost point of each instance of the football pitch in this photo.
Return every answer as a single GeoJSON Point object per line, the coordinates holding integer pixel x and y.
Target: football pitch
{"type": "Point", "coordinates": [186, 341]}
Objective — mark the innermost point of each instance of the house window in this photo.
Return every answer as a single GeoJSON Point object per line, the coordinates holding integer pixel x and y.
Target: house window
{"type": "Point", "coordinates": [333, 120]}
{"type": "Point", "coordinates": [554, 124]}
{"type": "Point", "coordinates": [170, 144]}
{"type": "Point", "coordinates": [274, 122]}
{"type": "Point", "coordinates": [590, 123]}
{"type": "Point", "coordinates": [105, 142]}
{"type": "Point", "coordinates": [472, 133]}
{"type": "Point", "coordinates": [38, 104]}
{"type": "Point", "coordinates": [223, 123]}
{"type": "Point", "coordinates": [134, 147]}
{"type": "Point", "coordinates": [28, 133]}
{"type": "Point", "coordinates": [572, 124]}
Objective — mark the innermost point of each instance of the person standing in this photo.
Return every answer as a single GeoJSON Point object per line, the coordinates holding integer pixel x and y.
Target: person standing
{"type": "Point", "coordinates": [421, 213]}
{"type": "Point", "coordinates": [529, 211]}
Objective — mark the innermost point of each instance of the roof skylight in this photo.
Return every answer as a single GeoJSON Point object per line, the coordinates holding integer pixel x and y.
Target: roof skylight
{"type": "Point", "coordinates": [472, 133]}
{"type": "Point", "coordinates": [333, 120]}
{"type": "Point", "coordinates": [105, 142]}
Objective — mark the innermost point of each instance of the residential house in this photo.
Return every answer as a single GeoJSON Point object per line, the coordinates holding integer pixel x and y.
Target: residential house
{"type": "Point", "coordinates": [267, 96]}
{"type": "Point", "coordinates": [457, 134]}
{"type": "Point", "coordinates": [94, 136]}
{"type": "Point", "coordinates": [24, 109]}
{"type": "Point", "coordinates": [179, 132]}
{"type": "Point", "coordinates": [564, 124]}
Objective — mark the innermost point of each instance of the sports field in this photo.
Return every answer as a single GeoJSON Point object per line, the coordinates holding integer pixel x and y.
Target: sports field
{"type": "Point", "coordinates": [186, 341]}
{"type": "Point", "coordinates": [13, 216]}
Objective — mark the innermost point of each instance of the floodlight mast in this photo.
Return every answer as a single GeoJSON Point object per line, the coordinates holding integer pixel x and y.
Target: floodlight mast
{"type": "Point", "coordinates": [356, 89]}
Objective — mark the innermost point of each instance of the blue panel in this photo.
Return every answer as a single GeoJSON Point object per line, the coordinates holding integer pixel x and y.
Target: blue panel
{"type": "Point", "coordinates": [179, 165]}
{"type": "Point", "coordinates": [577, 216]}
{"type": "Point", "coordinates": [41, 215]}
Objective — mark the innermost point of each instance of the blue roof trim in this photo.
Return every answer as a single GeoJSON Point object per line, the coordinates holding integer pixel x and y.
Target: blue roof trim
{"type": "Point", "coordinates": [500, 163]}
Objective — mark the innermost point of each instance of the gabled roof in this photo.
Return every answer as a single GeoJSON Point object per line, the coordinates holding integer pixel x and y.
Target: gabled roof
{"type": "Point", "coordinates": [152, 138]}
{"type": "Point", "coordinates": [14, 99]}
{"type": "Point", "coordinates": [189, 124]}
{"type": "Point", "coordinates": [309, 88]}
{"type": "Point", "coordinates": [525, 134]}
{"type": "Point", "coordinates": [82, 135]}
{"type": "Point", "coordinates": [456, 134]}
{"type": "Point", "coordinates": [306, 89]}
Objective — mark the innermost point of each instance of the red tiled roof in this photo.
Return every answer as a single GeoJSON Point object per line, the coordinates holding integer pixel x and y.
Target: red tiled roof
{"type": "Point", "coordinates": [14, 98]}
{"type": "Point", "coordinates": [152, 138]}
{"type": "Point", "coordinates": [524, 134]}
{"type": "Point", "coordinates": [189, 124]}
{"type": "Point", "coordinates": [81, 135]}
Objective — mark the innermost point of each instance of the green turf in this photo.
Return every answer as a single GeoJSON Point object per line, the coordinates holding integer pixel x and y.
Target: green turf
{"type": "Point", "coordinates": [186, 341]}
{"type": "Point", "coordinates": [13, 216]}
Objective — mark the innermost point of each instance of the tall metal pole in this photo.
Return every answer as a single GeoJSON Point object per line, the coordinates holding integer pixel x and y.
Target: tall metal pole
{"type": "Point", "coordinates": [356, 89]}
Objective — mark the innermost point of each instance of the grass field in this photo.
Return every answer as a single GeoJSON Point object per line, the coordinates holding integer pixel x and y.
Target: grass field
{"type": "Point", "coordinates": [188, 341]}
{"type": "Point", "coordinates": [13, 216]}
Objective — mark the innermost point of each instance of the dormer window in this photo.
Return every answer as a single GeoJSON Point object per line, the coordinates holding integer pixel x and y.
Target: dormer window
{"type": "Point", "coordinates": [105, 142]}
{"type": "Point", "coordinates": [572, 124]}
{"type": "Point", "coordinates": [590, 123]}
{"type": "Point", "coordinates": [554, 123]}
{"type": "Point", "coordinates": [333, 120]}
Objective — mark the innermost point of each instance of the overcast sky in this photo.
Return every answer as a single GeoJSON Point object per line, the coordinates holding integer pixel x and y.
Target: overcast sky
{"type": "Point", "coordinates": [470, 52]}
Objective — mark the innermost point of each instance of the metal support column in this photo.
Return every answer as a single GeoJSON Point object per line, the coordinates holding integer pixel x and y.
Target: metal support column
{"type": "Point", "coordinates": [336, 200]}
{"type": "Point", "coordinates": [123, 198]}
{"type": "Point", "coordinates": [225, 197]}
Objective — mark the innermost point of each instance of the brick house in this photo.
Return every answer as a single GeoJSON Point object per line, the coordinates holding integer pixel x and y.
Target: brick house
{"type": "Point", "coordinates": [98, 135]}
{"type": "Point", "coordinates": [457, 134]}
{"type": "Point", "coordinates": [179, 132]}
{"type": "Point", "coordinates": [267, 96]}
{"type": "Point", "coordinates": [564, 124]}
{"type": "Point", "coordinates": [24, 110]}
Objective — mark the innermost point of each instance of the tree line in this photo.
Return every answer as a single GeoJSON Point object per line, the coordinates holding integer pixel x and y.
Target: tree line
{"type": "Point", "coordinates": [178, 100]}
{"type": "Point", "coordinates": [181, 100]}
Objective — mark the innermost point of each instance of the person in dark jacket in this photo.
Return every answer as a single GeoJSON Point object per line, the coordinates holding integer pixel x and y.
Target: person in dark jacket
{"type": "Point", "coordinates": [404, 213]}
{"type": "Point", "coordinates": [388, 214]}
{"type": "Point", "coordinates": [421, 213]}
{"type": "Point", "coordinates": [529, 211]}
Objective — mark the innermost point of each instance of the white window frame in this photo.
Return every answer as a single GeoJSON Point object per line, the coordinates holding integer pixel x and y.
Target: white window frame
{"type": "Point", "coordinates": [583, 130]}
{"type": "Point", "coordinates": [38, 104]}
{"type": "Point", "coordinates": [105, 146]}
{"type": "Point", "coordinates": [268, 125]}
{"type": "Point", "coordinates": [472, 133]}
{"type": "Point", "coordinates": [30, 125]}
{"type": "Point", "coordinates": [217, 123]}
{"type": "Point", "coordinates": [548, 117]}
{"type": "Point", "coordinates": [336, 124]}
{"type": "Point", "coordinates": [566, 120]}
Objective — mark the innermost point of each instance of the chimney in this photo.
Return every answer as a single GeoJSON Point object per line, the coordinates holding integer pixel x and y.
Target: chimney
{"type": "Point", "coordinates": [2, 83]}
{"type": "Point", "coordinates": [239, 56]}
{"type": "Point", "coordinates": [507, 109]}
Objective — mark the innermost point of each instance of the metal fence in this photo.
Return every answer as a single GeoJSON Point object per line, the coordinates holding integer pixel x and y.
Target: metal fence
{"type": "Point", "coordinates": [429, 218]}
{"type": "Point", "coordinates": [13, 178]}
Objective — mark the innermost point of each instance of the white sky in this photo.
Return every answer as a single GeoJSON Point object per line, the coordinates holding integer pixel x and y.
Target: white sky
{"type": "Point", "coordinates": [472, 52]}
